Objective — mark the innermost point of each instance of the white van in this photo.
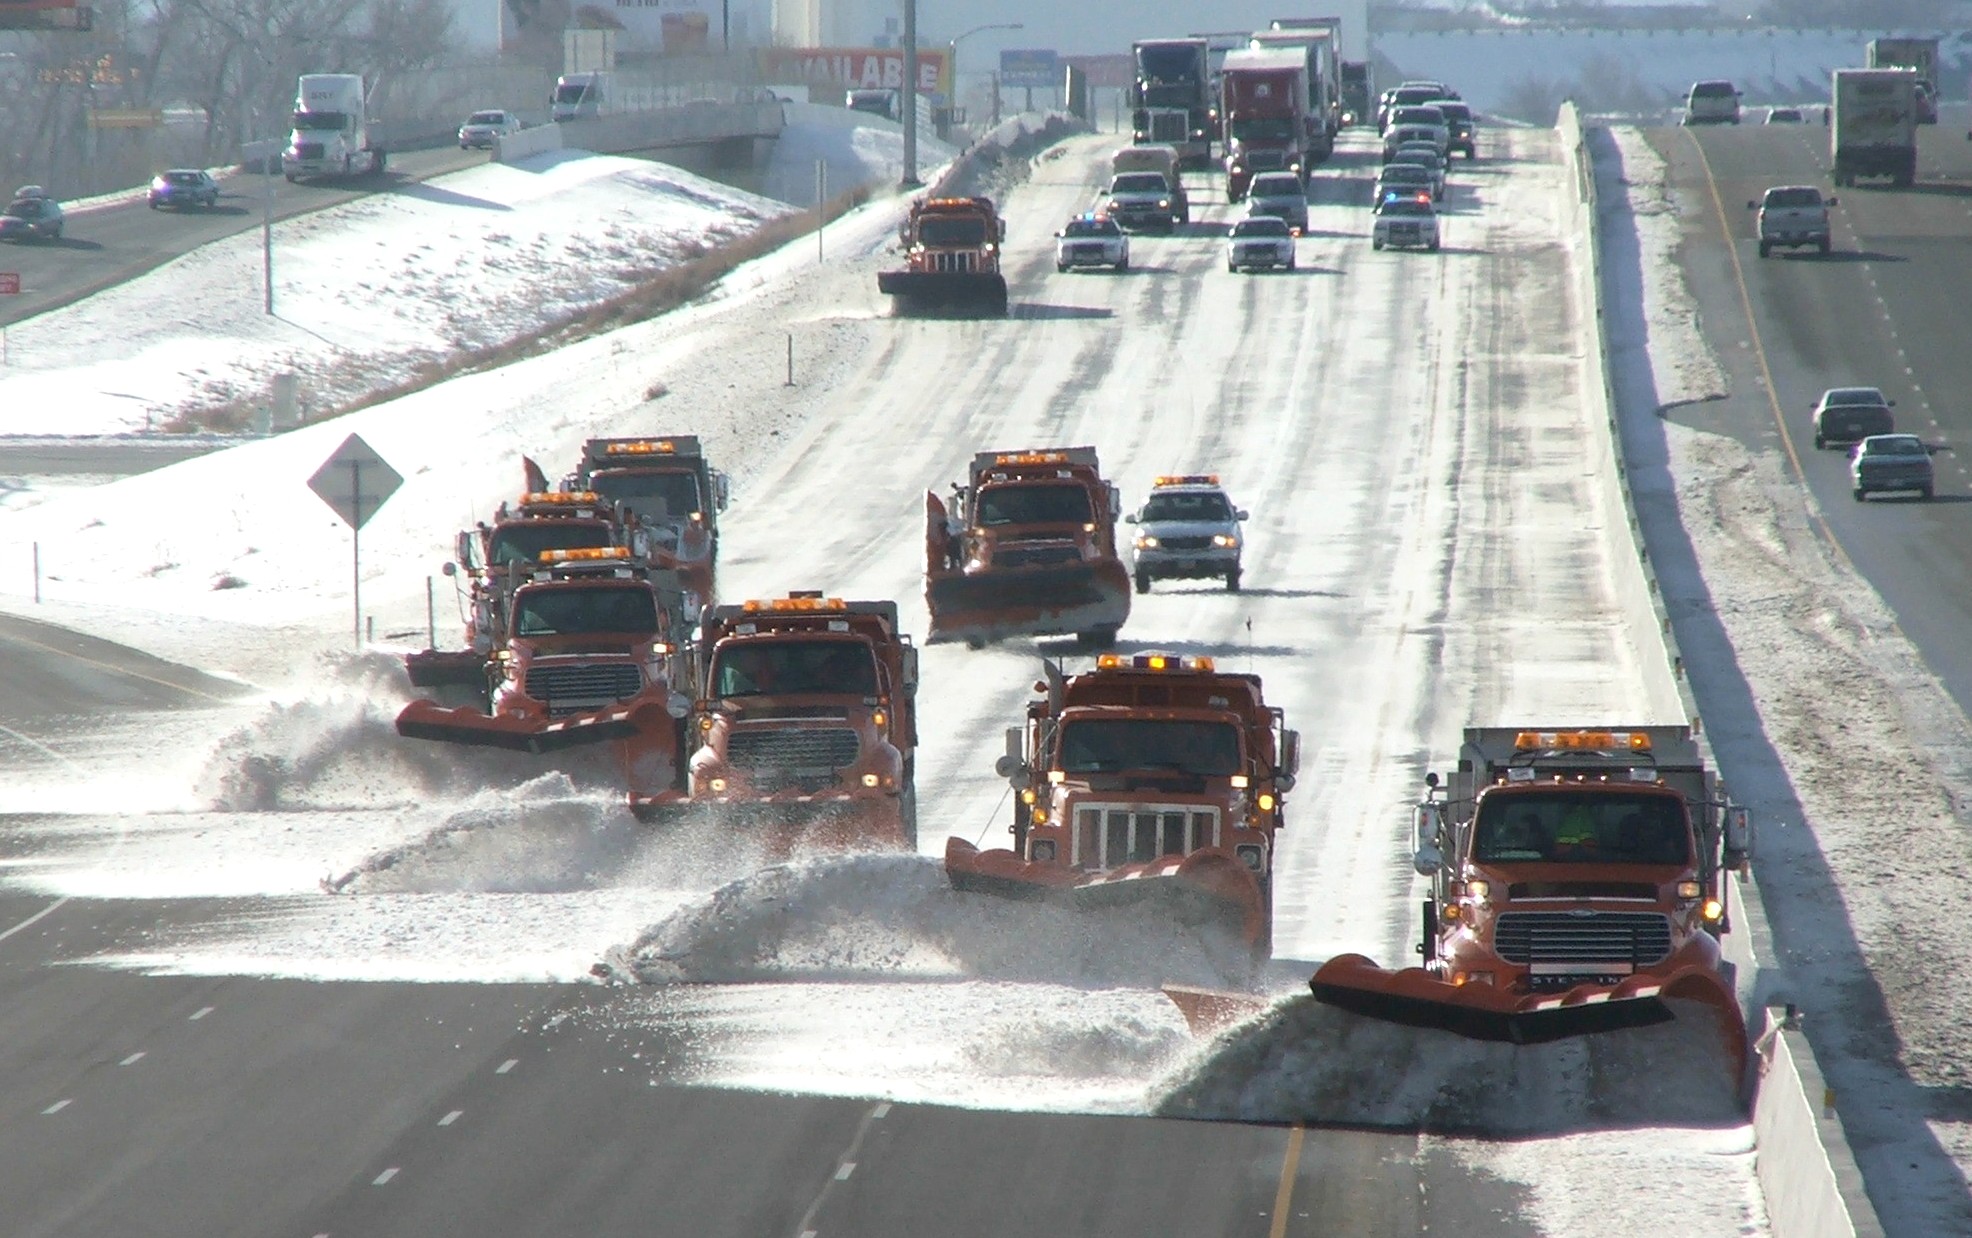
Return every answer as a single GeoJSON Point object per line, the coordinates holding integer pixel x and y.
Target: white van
{"type": "Point", "coordinates": [1712, 103]}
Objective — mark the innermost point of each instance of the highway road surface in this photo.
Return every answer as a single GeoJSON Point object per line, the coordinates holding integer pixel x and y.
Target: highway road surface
{"type": "Point", "coordinates": [195, 1038]}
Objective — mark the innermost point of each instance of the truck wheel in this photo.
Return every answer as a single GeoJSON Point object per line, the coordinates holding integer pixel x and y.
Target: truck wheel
{"type": "Point", "coordinates": [1823, 247]}
{"type": "Point", "coordinates": [1859, 493]}
{"type": "Point", "coordinates": [908, 803]}
{"type": "Point", "coordinates": [1123, 264]}
{"type": "Point", "coordinates": [1820, 442]}
{"type": "Point", "coordinates": [1376, 242]}
{"type": "Point", "coordinates": [1143, 582]}
{"type": "Point", "coordinates": [1925, 493]}
{"type": "Point", "coordinates": [1061, 268]}
{"type": "Point", "coordinates": [1766, 247]}
{"type": "Point", "coordinates": [1232, 580]}
{"type": "Point", "coordinates": [1233, 267]}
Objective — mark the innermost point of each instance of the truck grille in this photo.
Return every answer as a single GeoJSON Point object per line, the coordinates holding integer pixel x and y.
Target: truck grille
{"type": "Point", "coordinates": [1588, 938]}
{"type": "Point", "coordinates": [308, 150]}
{"type": "Point", "coordinates": [961, 263]}
{"type": "Point", "coordinates": [572, 688]}
{"type": "Point", "coordinates": [794, 750]}
{"type": "Point", "coordinates": [1184, 543]}
{"type": "Point", "coordinates": [1110, 835]}
{"type": "Point", "coordinates": [1169, 126]}
{"type": "Point", "coordinates": [1266, 160]}
{"type": "Point", "coordinates": [1036, 556]}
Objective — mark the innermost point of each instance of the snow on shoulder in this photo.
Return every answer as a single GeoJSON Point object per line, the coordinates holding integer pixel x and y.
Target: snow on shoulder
{"type": "Point", "coordinates": [366, 293]}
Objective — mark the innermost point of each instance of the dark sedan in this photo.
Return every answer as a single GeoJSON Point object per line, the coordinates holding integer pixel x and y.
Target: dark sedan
{"type": "Point", "coordinates": [183, 187]}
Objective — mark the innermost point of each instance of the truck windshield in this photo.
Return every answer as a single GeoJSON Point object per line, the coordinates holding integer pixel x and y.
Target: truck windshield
{"type": "Point", "coordinates": [1033, 504]}
{"type": "Point", "coordinates": [1203, 507]}
{"type": "Point", "coordinates": [1167, 64]}
{"type": "Point", "coordinates": [310, 122]}
{"type": "Point", "coordinates": [952, 231]}
{"type": "Point", "coordinates": [1262, 129]}
{"type": "Point", "coordinates": [1117, 745]}
{"type": "Point", "coordinates": [1140, 182]}
{"type": "Point", "coordinates": [522, 543]}
{"type": "Point", "coordinates": [656, 497]}
{"type": "Point", "coordinates": [571, 92]}
{"type": "Point", "coordinates": [788, 667]}
{"type": "Point", "coordinates": [1592, 827]}
{"type": "Point", "coordinates": [566, 611]}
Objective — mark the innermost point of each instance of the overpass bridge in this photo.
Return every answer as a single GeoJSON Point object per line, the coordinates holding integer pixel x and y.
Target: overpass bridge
{"type": "Point", "coordinates": [703, 124]}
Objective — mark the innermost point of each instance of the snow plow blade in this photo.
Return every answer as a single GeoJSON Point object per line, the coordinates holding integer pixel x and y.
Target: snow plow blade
{"type": "Point", "coordinates": [425, 720]}
{"type": "Point", "coordinates": [1060, 599]}
{"type": "Point", "coordinates": [446, 668]}
{"type": "Point", "coordinates": [1416, 998]}
{"type": "Point", "coordinates": [1203, 888]}
{"type": "Point", "coordinates": [945, 290]}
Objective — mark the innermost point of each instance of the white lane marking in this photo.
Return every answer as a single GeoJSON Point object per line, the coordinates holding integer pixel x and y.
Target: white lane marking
{"type": "Point", "coordinates": [384, 1177]}
{"type": "Point", "coordinates": [507, 1065]}
{"type": "Point", "coordinates": [57, 1107]}
{"type": "Point", "coordinates": [843, 1169]}
{"type": "Point", "coordinates": [881, 1112]}
{"type": "Point", "coordinates": [201, 1013]}
{"type": "Point", "coordinates": [35, 918]}
{"type": "Point", "coordinates": [133, 1059]}
{"type": "Point", "coordinates": [452, 1117]}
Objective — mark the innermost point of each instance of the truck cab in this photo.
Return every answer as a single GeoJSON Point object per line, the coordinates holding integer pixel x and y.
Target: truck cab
{"type": "Point", "coordinates": [807, 715]}
{"type": "Point", "coordinates": [331, 131]}
{"type": "Point", "coordinates": [1572, 857]}
{"type": "Point", "coordinates": [579, 96]}
{"type": "Point", "coordinates": [591, 628]}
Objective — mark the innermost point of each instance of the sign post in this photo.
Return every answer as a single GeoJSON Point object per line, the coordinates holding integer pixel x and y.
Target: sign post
{"type": "Point", "coordinates": [354, 482]}
{"type": "Point", "coordinates": [263, 152]}
{"type": "Point", "coordinates": [10, 286]}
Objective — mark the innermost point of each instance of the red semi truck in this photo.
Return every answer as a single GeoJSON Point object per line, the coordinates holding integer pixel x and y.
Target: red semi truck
{"type": "Point", "coordinates": [1264, 102]}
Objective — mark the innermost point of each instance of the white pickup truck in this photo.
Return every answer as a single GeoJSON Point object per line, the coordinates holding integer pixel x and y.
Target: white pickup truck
{"type": "Point", "coordinates": [1793, 217]}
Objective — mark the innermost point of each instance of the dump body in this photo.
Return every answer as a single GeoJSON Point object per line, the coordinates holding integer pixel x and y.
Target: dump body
{"type": "Point", "coordinates": [1150, 777]}
{"type": "Point", "coordinates": [1317, 40]}
{"type": "Point", "coordinates": [676, 496]}
{"type": "Point", "coordinates": [951, 257]}
{"type": "Point", "coordinates": [331, 133]}
{"type": "Point", "coordinates": [1171, 98]}
{"type": "Point", "coordinates": [1920, 55]}
{"type": "Point", "coordinates": [1577, 880]}
{"type": "Point", "coordinates": [806, 723]}
{"type": "Point", "coordinates": [1026, 547]}
{"type": "Point", "coordinates": [593, 651]}
{"type": "Point", "coordinates": [1873, 125]}
{"type": "Point", "coordinates": [1264, 105]}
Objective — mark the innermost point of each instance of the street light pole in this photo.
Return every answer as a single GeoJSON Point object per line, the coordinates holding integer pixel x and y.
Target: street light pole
{"type": "Point", "coordinates": [952, 51]}
{"type": "Point", "coordinates": [910, 96]}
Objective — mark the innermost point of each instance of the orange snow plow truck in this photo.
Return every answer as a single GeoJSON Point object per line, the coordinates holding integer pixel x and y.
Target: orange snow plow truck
{"type": "Point", "coordinates": [1026, 547]}
{"type": "Point", "coordinates": [951, 257]}
{"type": "Point", "coordinates": [674, 494]}
{"type": "Point", "coordinates": [1578, 884]}
{"type": "Point", "coordinates": [1150, 778]}
{"type": "Point", "coordinates": [591, 654]}
{"type": "Point", "coordinates": [806, 722]}
{"type": "Point", "coordinates": [495, 558]}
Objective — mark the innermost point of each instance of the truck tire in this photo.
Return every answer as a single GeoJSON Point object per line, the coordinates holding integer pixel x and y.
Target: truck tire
{"type": "Point", "coordinates": [1925, 493]}
{"type": "Point", "coordinates": [1061, 268]}
{"type": "Point", "coordinates": [1820, 442]}
{"type": "Point", "coordinates": [1859, 492]}
{"type": "Point", "coordinates": [1823, 247]}
{"type": "Point", "coordinates": [1376, 242]}
{"type": "Point", "coordinates": [1766, 248]}
{"type": "Point", "coordinates": [1143, 582]}
{"type": "Point", "coordinates": [907, 802]}
{"type": "Point", "coordinates": [1232, 580]}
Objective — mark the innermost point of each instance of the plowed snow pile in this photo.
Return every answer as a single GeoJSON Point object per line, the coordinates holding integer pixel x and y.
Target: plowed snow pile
{"type": "Point", "coordinates": [896, 915]}
{"type": "Point", "coordinates": [1303, 1061]}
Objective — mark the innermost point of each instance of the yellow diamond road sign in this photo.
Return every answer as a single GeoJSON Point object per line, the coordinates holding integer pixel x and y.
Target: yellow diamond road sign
{"type": "Point", "coordinates": [355, 481]}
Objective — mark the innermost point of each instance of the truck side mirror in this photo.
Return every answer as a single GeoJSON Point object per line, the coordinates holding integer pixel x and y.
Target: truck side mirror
{"type": "Point", "coordinates": [1738, 839]}
{"type": "Point", "coordinates": [1240, 515]}
{"type": "Point", "coordinates": [462, 549]}
{"type": "Point", "coordinates": [911, 667]}
{"type": "Point", "coordinates": [722, 490]}
{"type": "Point", "coordinates": [1832, 202]}
{"type": "Point", "coordinates": [1752, 206]}
{"type": "Point", "coordinates": [1427, 857]}
{"type": "Point", "coordinates": [450, 568]}
{"type": "Point", "coordinates": [1290, 753]}
{"type": "Point", "coordinates": [1130, 519]}
{"type": "Point", "coordinates": [1012, 766]}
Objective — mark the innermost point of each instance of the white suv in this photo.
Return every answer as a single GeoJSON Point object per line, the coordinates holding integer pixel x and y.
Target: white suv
{"type": "Point", "coordinates": [1260, 241]}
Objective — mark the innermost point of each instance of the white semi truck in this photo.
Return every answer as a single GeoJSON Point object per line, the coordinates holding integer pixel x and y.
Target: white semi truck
{"type": "Point", "coordinates": [1918, 54]}
{"type": "Point", "coordinates": [1873, 128]}
{"type": "Point", "coordinates": [331, 129]}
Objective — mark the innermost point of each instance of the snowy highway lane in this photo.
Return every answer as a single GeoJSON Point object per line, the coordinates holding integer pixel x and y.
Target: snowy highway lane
{"type": "Point", "coordinates": [1426, 552]}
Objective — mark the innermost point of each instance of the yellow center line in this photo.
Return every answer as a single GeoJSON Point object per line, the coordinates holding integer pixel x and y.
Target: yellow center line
{"type": "Point", "coordinates": [1815, 516]}
{"type": "Point", "coordinates": [118, 670]}
{"type": "Point", "coordinates": [1284, 1195]}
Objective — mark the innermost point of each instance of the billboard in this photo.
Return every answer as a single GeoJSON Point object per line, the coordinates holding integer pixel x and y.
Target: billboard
{"type": "Point", "coordinates": [46, 15]}
{"type": "Point", "coordinates": [1031, 67]}
{"type": "Point", "coordinates": [668, 27]}
{"type": "Point", "coordinates": [852, 68]}
{"type": "Point", "coordinates": [1111, 71]}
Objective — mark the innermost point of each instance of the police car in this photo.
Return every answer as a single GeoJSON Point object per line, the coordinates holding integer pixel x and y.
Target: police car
{"type": "Point", "coordinates": [1187, 530]}
{"type": "Point", "coordinates": [1091, 240]}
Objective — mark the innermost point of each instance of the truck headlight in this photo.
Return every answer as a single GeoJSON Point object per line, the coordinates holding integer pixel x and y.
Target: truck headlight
{"type": "Point", "coordinates": [870, 780]}
{"type": "Point", "coordinates": [1225, 540]}
{"type": "Point", "coordinates": [1479, 889]}
{"type": "Point", "coordinates": [1146, 542]}
{"type": "Point", "coordinates": [1253, 855]}
{"type": "Point", "coordinates": [1043, 849]}
{"type": "Point", "coordinates": [718, 786]}
{"type": "Point", "coordinates": [1689, 889]}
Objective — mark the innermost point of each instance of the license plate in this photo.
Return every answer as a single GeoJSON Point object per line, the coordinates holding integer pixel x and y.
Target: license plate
{"type": "Point", "coordinates": [1187, 564]}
